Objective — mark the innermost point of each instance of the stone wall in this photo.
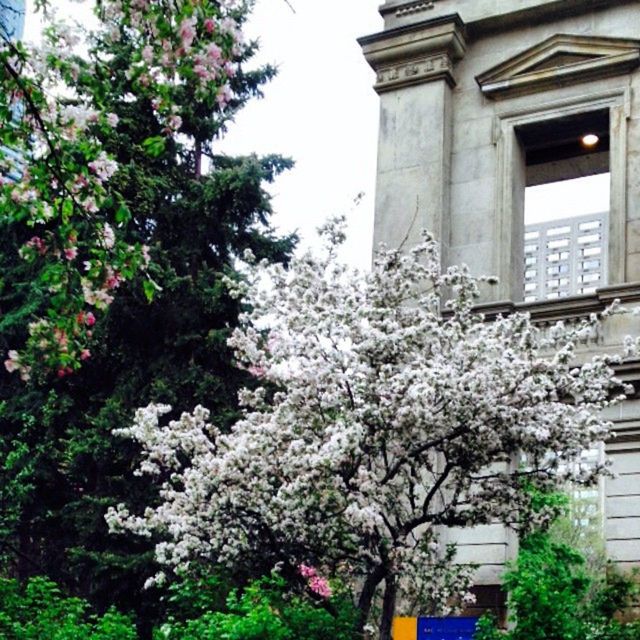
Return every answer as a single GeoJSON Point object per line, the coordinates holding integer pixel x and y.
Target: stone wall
{"type": "Point", "coordinates": [457, 80]}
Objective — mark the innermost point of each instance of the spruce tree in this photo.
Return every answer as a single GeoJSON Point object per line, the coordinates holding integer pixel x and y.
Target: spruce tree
{"type": "Point", "coordinates": [198, 211]}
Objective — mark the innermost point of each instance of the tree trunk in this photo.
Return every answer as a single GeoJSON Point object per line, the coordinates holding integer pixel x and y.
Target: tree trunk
{"type": "Point", "coordinates": [366, 597]}
{"type": "Point", "coordinates": [388, 606]}
{"type": "Point", "coordinates": [198, 158]}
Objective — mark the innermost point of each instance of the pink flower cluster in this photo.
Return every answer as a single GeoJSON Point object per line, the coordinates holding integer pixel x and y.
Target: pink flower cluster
{"type": "Point", "coordinates": [12, 363]}
{"type": "Point", "coordinates": [37, 244]}
{"type": "Point", "coordinates": [317, 584]}
{"type": "Point", "coordinates": [201, 46]}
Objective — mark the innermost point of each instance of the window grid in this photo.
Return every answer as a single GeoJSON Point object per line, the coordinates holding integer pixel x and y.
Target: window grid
{"type": "Point", "coordinates": [565, 257]}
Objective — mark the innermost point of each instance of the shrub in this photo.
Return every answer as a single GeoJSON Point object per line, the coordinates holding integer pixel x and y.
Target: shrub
{"type": "Point", "coordinates": [266, 611]}
{"type": "Point", "coordinates": [39, 610]}
{"type": "Point", "coordinates": [553, 597]}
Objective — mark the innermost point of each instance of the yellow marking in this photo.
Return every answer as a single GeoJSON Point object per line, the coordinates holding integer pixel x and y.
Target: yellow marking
{"type": "Point", "coordinates": [405, 629]}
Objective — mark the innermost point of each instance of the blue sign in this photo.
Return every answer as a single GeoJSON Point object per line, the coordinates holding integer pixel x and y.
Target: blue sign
{"type": "Point", "coordinates": [12, 19]}
{"type": "Point", "coordinates": [446, 628]}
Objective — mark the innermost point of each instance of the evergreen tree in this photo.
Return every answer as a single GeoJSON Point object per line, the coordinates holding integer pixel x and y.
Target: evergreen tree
{"type": "Point", "coordinates": [60, 464]}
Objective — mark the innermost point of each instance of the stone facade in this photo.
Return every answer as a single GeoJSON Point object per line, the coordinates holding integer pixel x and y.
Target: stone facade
{"type": "Point", "coordinates": [459, 80]}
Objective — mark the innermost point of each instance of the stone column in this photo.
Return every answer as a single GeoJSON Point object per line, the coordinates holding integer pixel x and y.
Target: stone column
{"type": "Point", "coordinates": [414, 67]}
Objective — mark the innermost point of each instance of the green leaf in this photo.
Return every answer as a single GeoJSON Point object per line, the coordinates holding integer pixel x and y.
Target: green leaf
{"type": "Point", "coordinates": [123, 214]}
{"type": "Point", "coordinates": [67, 209]}
{"type": "Point", "coordinates": [154, 146]}
{"type": "Point", "coordinates": [149, 290]}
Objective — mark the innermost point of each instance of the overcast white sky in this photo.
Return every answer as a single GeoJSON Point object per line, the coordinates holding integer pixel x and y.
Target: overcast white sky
{"type": "Point", "coordinates": [321, 110]}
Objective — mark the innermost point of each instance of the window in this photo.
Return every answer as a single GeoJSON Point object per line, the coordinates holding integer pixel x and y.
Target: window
{"type": "Point", "coordinates": [566, 209]}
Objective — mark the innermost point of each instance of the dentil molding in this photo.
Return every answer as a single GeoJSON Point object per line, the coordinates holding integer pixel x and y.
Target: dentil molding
{"type": "Point", "coordinates": [414, 7]}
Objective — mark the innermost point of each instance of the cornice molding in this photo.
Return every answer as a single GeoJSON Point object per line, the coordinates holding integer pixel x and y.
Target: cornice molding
{"type": "Point", "coordinates": [573, 308]}
{"type": "Point", "coordinates": [415, 54]}
{"type": "Point", "coordinates": [560, 59]}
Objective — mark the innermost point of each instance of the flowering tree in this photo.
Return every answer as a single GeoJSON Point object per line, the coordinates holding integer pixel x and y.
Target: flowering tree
{"type": "Point", "coordinates": [57, 185]}
{"type": "Point", "coordinates": [390, 409]}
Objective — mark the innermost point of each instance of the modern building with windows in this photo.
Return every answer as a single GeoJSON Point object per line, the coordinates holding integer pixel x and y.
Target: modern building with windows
{"type": "Point", "coordinates": [12, 18]}
{"type": "Point", "coordinates": [482, 101]}
{"type": "Point", "coordinates": [12, 15]}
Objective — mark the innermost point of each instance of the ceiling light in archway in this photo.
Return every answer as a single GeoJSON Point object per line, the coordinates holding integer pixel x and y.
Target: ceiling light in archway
{"type": "Point", "coordinates": [590, 140]}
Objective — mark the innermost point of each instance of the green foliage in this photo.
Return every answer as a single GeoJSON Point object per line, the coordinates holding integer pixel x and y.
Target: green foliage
{"type": "Point", "coordinates": [266, 611]}
{"type": "Point", "coordinates": [552, 596]}
{"type": "Point", "coordinates": [39, 610]}
{"type": "Point", "coordinates": [547, 590]}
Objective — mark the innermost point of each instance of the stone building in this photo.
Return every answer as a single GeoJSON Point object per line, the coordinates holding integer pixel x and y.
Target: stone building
{"type": "Point", "coordinates": [480, 101]}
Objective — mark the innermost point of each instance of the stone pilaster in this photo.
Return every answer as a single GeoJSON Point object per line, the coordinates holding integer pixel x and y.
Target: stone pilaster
{"type": "Point", "coordinates": [415, 77]}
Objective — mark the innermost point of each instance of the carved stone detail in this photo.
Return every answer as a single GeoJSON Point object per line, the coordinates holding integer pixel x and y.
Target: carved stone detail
{"type": "Point", "coordinates": [414, 7]}
{"type": "Point", "coordinates": [415, 72]}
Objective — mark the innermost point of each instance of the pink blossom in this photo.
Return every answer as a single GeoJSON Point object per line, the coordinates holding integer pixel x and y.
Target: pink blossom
{"type": "Point", "coordinates": [213, 51]}
{"type": "Point", "coordinates": [320, 586]}
{"type": "Point", "coordinates": [85, 354]}
{"type": "Point", "coordinates": [112, 119]}
{"type": "Point", "coordinates": [38, 245]}
{"type": "Point", "coordinates": [147, 54]}
{"type": "Point", "coordinates": [113, 279]}
{"type": "Point", "coordinates": [61, 338]}
{"type": "Point", "coordinates": [146, 256]}
{"type": "Point", "coordinates": [79, 183]}
{"type": "Point", "coordinates": [174, 122]}
{"type": "Point", "coordinates": [187, 32]}
{"type": "Point", "coordinates": [209, 25]}
{"type": "Point", "coordinates": [200, 71]}
{"type": "Point", "coordinates": [257, 372]}
{"type": "Point", "coordinates": [70, 253]}
{"type": "Point", "coordinates": [103, 166]}
{"type": "Point", "coordinates": [108, 236]}
{"type": "Point", "coordinates": [20, 196]}
{"type": "Point", "coordinates": [12, 363]}
{"type": "Point", "coordinates": [89, 205]}
{"type": "Point", "coordinates": [89, 319]}
{"type": "Point", "coordinates": [306, 571]}
{"type": "Point", "coordinates": [224, 95]}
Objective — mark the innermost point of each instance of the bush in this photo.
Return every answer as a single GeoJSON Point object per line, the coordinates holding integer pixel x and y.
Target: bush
{"type": "Point", "coordinates": [266, 611]}
{"type": "Point", "coordinates": [39, 610]}
{"type": "Point", "coordinates": [205, 608]}
{"type": "Point", "coordinates": [553, 597]}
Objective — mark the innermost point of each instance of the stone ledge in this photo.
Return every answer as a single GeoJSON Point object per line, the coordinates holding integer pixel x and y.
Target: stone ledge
{"type": "Point", "coordinates": [485, 17]}
{"type": "Point", "coordinates": [566, 308]}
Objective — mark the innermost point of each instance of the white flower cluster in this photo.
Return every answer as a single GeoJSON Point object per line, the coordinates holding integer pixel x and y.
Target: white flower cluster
{"type": "Point", "coordinates": [392, 409]}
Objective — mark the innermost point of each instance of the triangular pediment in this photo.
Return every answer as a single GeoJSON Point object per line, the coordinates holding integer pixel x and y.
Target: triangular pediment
{"type": "Point", "coordinates": [561, 59]}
